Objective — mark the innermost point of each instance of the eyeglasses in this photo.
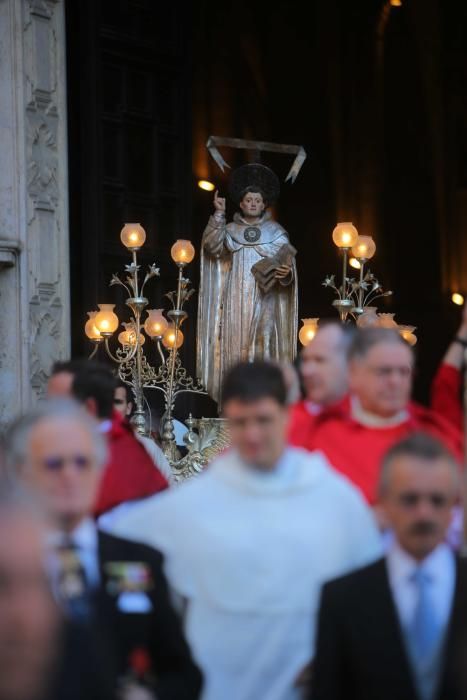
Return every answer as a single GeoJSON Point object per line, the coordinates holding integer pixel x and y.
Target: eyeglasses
{"type": "Point", "coordinates": [56, 463]}
{"type": "Point", "coordinates": [410, 499]}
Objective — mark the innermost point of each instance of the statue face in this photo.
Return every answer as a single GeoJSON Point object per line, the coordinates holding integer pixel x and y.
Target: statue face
{"type": "Point", "coordinates": [252, 204]}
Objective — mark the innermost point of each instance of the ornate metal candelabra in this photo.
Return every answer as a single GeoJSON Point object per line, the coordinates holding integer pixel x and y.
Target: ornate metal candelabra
{"type": "Point", "coordinates": [170, 377]}
{"type": "Point", "coordinates": [355, 297]}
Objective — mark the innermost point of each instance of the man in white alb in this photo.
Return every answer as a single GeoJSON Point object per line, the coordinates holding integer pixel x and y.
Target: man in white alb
{"type": "Point", "coordinates": [250, 542]}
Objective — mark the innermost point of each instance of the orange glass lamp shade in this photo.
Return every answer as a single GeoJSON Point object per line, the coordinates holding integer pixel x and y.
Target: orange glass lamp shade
{"type": "Point", "coordinates": [182, 252]}
{"type": "Point", "coordinates": [133, 236]}
{"type": "Point", "coordinates": [387, 321]}
{"type": "Point", "coordinates": [345, 235]}
{"type": "Point", "coordinates": [106, 321]}
{"type": "Point", "coordinates": [308, 330]}
{"type": "Point", "coordinates": [155, 324]}
{"type": "Point", "coordinates": [172, 338]}
{"type": "Point", "coordinates": [92, 332]}
{"type": "Point", "coordinates": [407, 332]}
{"type": "Point", "coordinates": [364, 248]}
{"type": "Point", "coordinates": [128, 336]}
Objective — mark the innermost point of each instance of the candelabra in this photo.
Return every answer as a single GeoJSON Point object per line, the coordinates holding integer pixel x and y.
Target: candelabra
{"type": "Point", "coordinates": [170, 377]}
{"type": "Point", "coordinates": [355, 297]}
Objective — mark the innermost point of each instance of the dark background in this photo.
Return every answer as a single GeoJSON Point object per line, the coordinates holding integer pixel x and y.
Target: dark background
{"type": "Point", "coordinates": [375, 94]}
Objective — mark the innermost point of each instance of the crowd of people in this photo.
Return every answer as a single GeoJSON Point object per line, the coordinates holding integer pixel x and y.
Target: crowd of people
{"type": "Point", "coordinates": [317, 558]}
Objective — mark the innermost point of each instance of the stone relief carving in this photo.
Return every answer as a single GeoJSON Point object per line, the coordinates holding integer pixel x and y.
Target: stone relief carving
{"type": "Point", "coordinates": [45, 332]}
{"type": "Point", "coordinates": [43, 164]}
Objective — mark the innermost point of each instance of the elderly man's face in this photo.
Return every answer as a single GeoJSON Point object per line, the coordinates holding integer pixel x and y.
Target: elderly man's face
{"type": "Point", "coordinates": [382, 380]}
{"type": "Point", "coordinates": [28, 616]}
{"type": "Point", "coordinates": [61, 465]}
{"type": "Point", "coordinates": [324, 367]}
{"type": "Point", "coordinates": [417, 502]}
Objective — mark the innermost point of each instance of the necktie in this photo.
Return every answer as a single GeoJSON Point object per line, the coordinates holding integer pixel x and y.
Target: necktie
{"type": "Point", "coordinates": [423, 637]}
{"type": "Point", "coordinates": [424, 629]}
{"type": "Point", "coordinates": [73, 588]}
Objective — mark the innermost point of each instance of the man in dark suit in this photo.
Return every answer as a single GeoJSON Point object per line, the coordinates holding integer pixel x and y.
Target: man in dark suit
{"type": "Point", "coordinates": [112, 586]}
{"type": "Point", "coordinates": [394, 629]}
{"type": "Point", "coordinates": [42, 656]}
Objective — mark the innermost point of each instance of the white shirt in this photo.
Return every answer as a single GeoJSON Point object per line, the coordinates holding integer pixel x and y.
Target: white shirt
{"type": "Point", "coordinates": [439, 565]}
{"type": "Point", "coordinates": [250, 551]}
{"type": "Point", "coordinates": [85, 540]}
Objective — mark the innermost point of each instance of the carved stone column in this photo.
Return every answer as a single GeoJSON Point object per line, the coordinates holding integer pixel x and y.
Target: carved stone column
{"type": "Point", "coordinates": [34, 261]}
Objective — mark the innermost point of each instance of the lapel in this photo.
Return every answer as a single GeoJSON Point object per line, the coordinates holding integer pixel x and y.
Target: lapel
{"type": "Point", "coordinates": [456, 637]}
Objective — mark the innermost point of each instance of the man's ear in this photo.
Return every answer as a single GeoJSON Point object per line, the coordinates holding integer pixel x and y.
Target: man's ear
{"type": "Point", "coordinates": [90, 405]}
{"type": "Point", "coordinates": [129, 408]}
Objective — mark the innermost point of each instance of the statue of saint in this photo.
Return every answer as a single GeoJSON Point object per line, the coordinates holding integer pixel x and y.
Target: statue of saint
{"type": "Point", "coordinates": [248, 285]}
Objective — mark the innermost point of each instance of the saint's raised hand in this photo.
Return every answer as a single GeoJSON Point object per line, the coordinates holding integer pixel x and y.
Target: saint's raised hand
{"type": "Point", "coordinates": [219, 202]}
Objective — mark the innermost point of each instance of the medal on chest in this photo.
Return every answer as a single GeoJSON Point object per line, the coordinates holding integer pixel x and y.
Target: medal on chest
{"type": "Point", "coordinates": [252, 234]}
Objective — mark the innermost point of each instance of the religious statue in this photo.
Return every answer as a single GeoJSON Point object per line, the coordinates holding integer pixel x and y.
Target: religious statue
{"type": "Point", "coordinates": [248, 285]}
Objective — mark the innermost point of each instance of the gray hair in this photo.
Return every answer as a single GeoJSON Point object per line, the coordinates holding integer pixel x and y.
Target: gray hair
{"type": "Point", "coordinates": [18, 435]}
{"type": "Point", "coordinates": [419, 446]}
{"type": "Point", "coordinates": [347, 333]}
{"type": "Point", "coordinates": [366, 338]}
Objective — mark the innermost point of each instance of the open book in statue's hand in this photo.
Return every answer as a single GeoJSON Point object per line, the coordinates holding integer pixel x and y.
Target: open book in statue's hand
{"type": "Point", "coordinates": [264, 270]}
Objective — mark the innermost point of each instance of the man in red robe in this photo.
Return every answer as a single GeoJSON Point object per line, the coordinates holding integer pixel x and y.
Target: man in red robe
{"type": "Point", "coordinates": [324, 373]}
{"type": "Point", "coordinates": [355, 433]}
{"type": "Point", "coordinates": [130, 474]}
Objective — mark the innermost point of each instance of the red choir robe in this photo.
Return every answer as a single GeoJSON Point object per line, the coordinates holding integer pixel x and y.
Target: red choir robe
{"type": "Point", "coordinates": [446, 394]}
{"type": "Point", "coordinates": [356, 450]}
{"type": "Point", "coordinates": [301, 422]}
{"type": "Point", "coordinates": [130, 473]}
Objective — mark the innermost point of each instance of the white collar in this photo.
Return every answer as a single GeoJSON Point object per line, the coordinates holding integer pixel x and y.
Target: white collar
{"type": "Point", "coordinates": [84, 536]}
{"type": "Point", "coordinates": [279, 470]}
{"type": "Point", "coordinates": [370, 420]}
{"type": "Point", "coordinates": [313, 409]}
{"type": "Point", "coordinates": [402, 565]}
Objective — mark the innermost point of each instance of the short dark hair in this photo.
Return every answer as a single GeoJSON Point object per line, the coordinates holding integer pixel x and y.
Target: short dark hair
{"type": "Point", "coordinates": [95, 381]}
{"type": "Point", "coordinates": [366, 338]}
{"type": "Point", "coordinates": [419, 445]}
{"type": "Point", "coordinates": [72, 366]}
{"type": "Point", "coordinates": [251, 381]}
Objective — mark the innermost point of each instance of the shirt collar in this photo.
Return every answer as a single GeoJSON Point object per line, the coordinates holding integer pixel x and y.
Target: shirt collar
{"type": "Point", "coordinates": [313, 408]}
{"type": "Point", "coordinates": [83, 537]}
{"type": "Point", "coordinates": [370, 420]}
{"type": "Point", "coordinates": [105, 426]}
{"type": "Point", "coordinates": [401, 565]}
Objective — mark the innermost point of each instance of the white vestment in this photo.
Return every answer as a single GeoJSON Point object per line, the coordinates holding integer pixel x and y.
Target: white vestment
{"type": "Point", "coordinates": [249, 551]}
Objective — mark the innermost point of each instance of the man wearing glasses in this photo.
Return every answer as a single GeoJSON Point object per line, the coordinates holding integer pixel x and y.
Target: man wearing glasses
{"type": "Point", "coordinates": [397, 628]}
{"type": "Point", "coordinates": [356, 433]}
{"type": "Point", "coordinates": [115, 587]}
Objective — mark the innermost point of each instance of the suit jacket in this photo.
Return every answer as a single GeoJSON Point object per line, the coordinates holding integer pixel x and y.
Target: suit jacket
{"type": "Point", "coordinates": [145, 640]}
{"type": "Point", "coordinates": [360, 651]}
{"type": "Point", "coordinates": [82, 670]}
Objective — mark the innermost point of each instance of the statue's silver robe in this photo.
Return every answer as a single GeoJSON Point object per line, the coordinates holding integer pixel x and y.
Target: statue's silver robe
{"type": "Point", "coordinates": [236, 320]}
